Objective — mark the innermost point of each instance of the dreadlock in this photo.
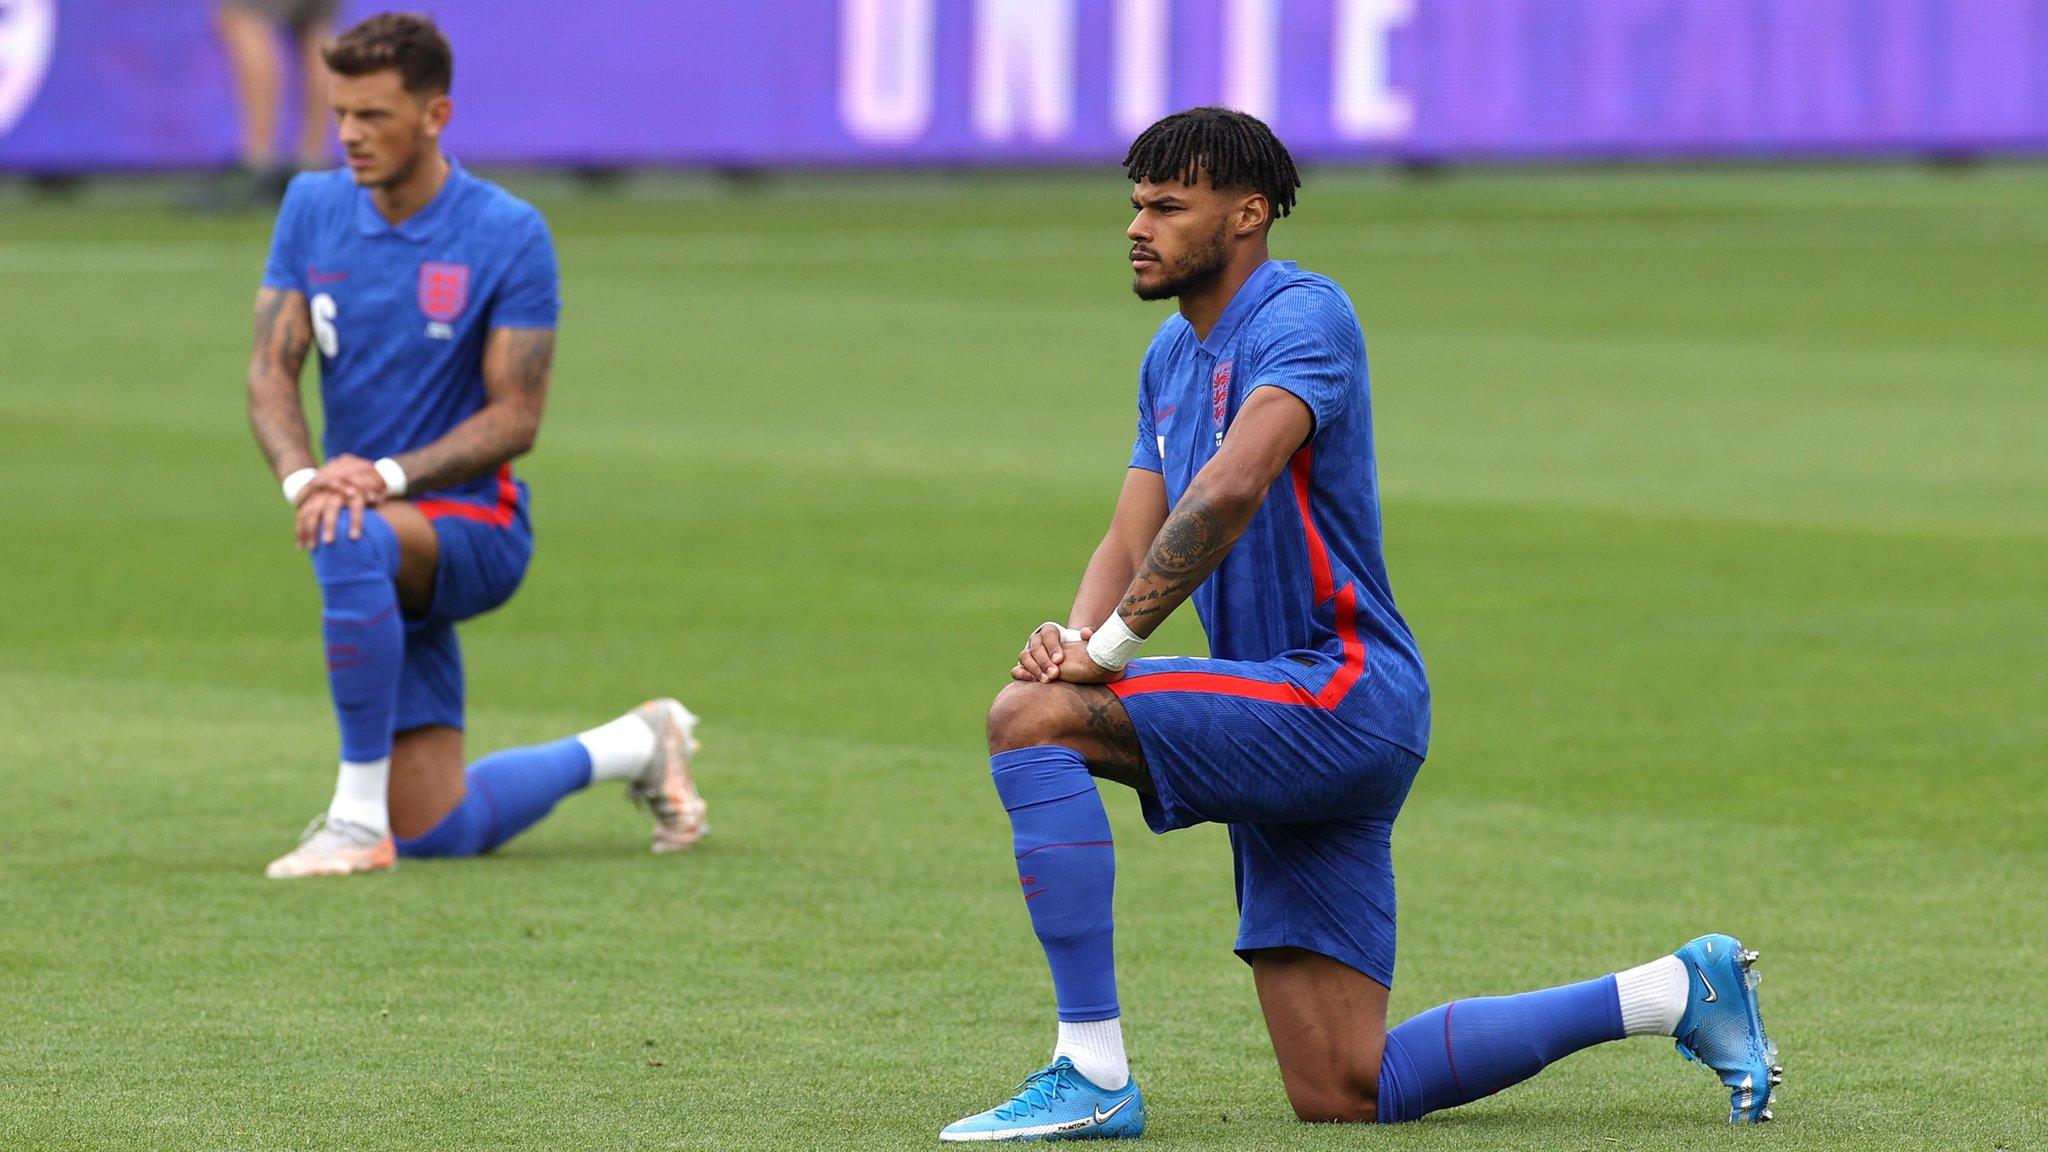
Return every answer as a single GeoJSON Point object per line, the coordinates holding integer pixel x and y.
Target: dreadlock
{"type": "Point", "coordinates": [1233, 149]}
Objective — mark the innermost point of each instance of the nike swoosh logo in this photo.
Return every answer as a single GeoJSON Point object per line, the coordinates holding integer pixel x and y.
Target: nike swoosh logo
{"type": "Point", "coordinates": [319, 277]}
{"type": "Point", "coordinates": [1165, 412]}
{"type": "Point", "coordinates": [1711, 997]}
{"type": "Point", "coordinates": [1102, 1117]}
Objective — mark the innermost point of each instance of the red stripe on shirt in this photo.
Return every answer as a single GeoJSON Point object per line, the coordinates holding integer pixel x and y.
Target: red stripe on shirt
{"type": "Point", "coordinates": [1244, 687]}
{"type": "Point", "coordinates": [1318, 556]}
{"type": "Point", "coordinates": [497, 515]}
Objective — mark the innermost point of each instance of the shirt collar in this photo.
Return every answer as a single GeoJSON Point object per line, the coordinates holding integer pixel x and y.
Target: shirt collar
{"type": "Point", "coordinates": [419, 226]}
{"type": "Point", "coordinates": [1249, 296]}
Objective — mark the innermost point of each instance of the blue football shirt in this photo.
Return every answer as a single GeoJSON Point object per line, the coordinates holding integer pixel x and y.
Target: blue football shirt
{"type": "Point", "coordinates": [400, 312]}
{"type": "Point", "coordinates": [1308, 574]}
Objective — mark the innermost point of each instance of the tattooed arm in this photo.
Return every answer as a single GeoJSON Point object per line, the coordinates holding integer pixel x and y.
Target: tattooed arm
{"type": "Point", "coordinates": [284, 331]}
{"type": "Point", "coordinates": [1217, 507]}
{"type": "Point", "coordinates": [1200, 530]}
{"type": "Point", "coordinates": [1197, 534]}
{"type": "Point", "coordinates": [517, 363]}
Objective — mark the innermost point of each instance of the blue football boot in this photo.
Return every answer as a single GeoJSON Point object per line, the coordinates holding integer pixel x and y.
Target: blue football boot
{"type": "Point", "coordinates": [1057, 1103]}
{"type": "Point", "coordinates": [1722, 1030]}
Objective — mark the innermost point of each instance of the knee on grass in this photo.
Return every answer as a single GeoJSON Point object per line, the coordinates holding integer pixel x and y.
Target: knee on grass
{"type": "Point", "coordinates": [1334, 1100]}
{"type": "Point", "coordinates": [1025, 716]}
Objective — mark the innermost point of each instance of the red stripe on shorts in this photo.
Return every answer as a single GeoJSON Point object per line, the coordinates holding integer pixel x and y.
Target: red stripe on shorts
{"type": "Point", "coordinates": [497, 515]}
{"type": "Point", "coordinates": [1244, 687]}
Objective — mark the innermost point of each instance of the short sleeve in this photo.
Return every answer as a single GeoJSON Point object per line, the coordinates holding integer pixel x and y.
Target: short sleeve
{"type": "Point", "coordinates": [1313, 349]}
{"type": "Point", "coordinates": [286, 266]}
{"type": "Point", "coordinates": [1145, 453]}
{"type": "Point", "coordinates": [532, 295]}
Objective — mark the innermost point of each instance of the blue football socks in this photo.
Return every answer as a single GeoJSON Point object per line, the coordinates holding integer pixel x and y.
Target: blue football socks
{"type": "Point", "coordinates": [1066, 863]}
{"type": "Point", "coordinates": [365, 636]}
{"type": "Point", "coordinates": [1458, 1052]}
{"type": "Point", "coordinates": [508, 792]}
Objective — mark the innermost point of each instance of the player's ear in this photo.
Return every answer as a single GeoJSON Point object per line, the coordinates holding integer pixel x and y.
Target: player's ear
{"type": "Point", "coordinates": [439, 109]}
{"type": "Point", "coordinates": [1252, 214]}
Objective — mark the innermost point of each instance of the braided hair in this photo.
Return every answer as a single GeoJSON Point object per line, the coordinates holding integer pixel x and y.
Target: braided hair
{"type": "Point", "coordinates": [1233, 149]}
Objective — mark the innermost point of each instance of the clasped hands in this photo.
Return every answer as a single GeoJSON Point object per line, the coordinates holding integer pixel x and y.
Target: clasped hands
{"type": "Point", "coordinates": [345, 482]}
{"type": "Point", "coordinates": [1050, 656]}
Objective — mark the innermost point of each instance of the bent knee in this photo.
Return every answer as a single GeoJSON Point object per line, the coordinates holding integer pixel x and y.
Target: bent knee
{"type": "Point", "coordinates": [373, 554]}
{"type": "Point", "coordinates": [1334, 1094]}
{"type": "Point", "coordinates": [1334, 1104]}
{"type": "Point", "coordinates": [1023, 716]}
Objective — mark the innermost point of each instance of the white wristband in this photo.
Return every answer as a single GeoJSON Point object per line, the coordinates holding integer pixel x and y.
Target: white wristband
{"type": "Point", "coordinates": [1067, 635]}
{"type": "Point", "coordinates": [296, 483]}
{"type": "Point", "coordinates": [394, 477]}
{"type": "Point", "coordinates": [1114, 644]}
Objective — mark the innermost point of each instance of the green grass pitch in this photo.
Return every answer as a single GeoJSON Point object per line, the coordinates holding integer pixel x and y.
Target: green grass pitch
{"type": "Point", "coordinates": [1719, 501]}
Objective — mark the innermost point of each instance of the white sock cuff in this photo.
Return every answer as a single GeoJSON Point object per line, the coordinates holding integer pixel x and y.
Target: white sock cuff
{"type": "Point", "coordinates": [619, 750]}
{"type": "Point", "coordinates": [1653, 997]}
{"type": "Point", "coordinates": [1097, 1049]}
{"type": "Point", "coordinates": [361, 794]}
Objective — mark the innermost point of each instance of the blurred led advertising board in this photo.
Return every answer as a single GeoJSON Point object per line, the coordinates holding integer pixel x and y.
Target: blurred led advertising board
{"type": "Point", "coordinates": [137, 84]}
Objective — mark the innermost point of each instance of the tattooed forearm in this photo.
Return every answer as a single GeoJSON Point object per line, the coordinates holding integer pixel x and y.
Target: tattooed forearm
{"type": "Point", "coordinates": [517, 364]}
{"type": "Point", "coordinates": [476, 447]}
{"type": "Point", "coordinates": [281, 433]}
{"type": "Point", "coordinates": [1217, 507]}
{"type": "Point", "coordinates": [283, 333]}
{"type": "Point", "coordinates": [1197, 535]}
{"type": "Point", "coordinates": [1188, 539]}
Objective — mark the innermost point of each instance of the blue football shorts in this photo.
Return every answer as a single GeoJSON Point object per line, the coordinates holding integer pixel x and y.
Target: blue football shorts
{"type": "Point", "coordinates": [484, 554]}
{"type": "Point", "coordinates": [1309, 795]}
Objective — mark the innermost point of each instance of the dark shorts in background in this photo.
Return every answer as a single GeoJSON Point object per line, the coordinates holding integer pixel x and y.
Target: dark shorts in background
{"type": "Point", "coordinates": [1310, 796]}
{"type": "Point", "coordinates": [483, 559]}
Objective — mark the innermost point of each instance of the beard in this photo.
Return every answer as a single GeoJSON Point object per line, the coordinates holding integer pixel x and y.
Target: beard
{"type": "Point", "coordinates": [401, 172]}
{"type": "Point", "coordinates": [1199, 267]}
